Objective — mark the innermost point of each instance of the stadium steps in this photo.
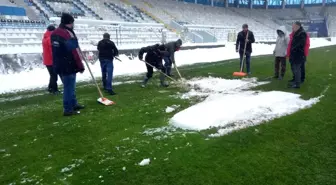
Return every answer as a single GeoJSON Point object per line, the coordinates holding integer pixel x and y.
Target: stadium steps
{"type": "Point", "coordinates": [85, 8]}
{"type": "Point", "coordinates": [155, 18]}
{"type": "Point", "coordinates": [39, 7]}
{"type": "Point", "coordinates": [30, 13]}
{"type": "Point", "coordinates": [254, 19]}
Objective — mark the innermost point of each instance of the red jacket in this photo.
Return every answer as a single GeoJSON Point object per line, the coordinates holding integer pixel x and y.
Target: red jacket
{"type": "Point", "coordinates": [47, 49]}
{"type": "Point", "coordinates": [307, 46]}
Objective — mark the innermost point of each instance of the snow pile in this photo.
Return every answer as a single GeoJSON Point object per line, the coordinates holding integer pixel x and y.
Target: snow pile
{"type": "Point", "coordinates": [144, 162]}
{"type": "Point", "coordinates": [171, 108]}
{"type": "Point", "coordinates": [229, 108]}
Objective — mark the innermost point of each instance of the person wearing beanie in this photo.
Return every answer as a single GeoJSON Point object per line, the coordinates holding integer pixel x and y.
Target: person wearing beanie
{"type": "Point", "coordinates": [67, 62]}
{"type": "Point", "coordinates": [107, 51]}
{"type": "Point", "coordinates": [172, 47]}
{"type": "Point", "coordinates": [48, 60]}
{"type": "Point", "coordinates": [240, 45]}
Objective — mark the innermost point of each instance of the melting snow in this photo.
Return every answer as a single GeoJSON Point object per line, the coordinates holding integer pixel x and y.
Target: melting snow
{"type": "Point", "coordinates": [144, 162]}
{"type": "Point", "coordinates": [229, 108]}
{"type": "Point", "coordinates": [172, 108]}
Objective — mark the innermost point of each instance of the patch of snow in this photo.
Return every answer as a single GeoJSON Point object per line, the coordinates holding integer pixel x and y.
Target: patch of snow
{"type": "Point", "coordinates": [124, 168]}
{"type": "Point", "coordinates": [144, 162]}
{"type": "Point", "coordinates": [2, 150]}
{"type": "Point", "coordinates": [77, 163]}
{"type": "Point", "coordinates": [229, 108]}
{"type": "Point", "coordinates": [6, 155]}
{"type": "Point", "coordinates": [172, 108]}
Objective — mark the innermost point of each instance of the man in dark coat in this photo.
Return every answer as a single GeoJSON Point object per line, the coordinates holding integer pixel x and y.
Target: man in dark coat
{"type": "Point", "coordinates": [172, 47]}
{"type": "Point", "coordinates": [297, 53]}
{"type": "Point", "coordinates": [107, 51]}
{"type": "Point", "coordinates": [67, 62]}
{"type": "Point", "coordinates": [154, 57]}
{"type": "Point", "coordinates": [240, 44]}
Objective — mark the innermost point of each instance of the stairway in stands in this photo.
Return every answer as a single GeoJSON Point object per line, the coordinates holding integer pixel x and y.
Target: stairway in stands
{"type": "Point", "coordinates": [86, 9]}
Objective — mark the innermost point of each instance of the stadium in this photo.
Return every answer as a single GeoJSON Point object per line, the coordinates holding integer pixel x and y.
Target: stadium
{"type": "Point", "coordinates": [204, 92]}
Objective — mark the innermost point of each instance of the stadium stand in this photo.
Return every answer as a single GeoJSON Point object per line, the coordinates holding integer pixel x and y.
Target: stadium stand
{"type": "Point", "coordinates": [23, 22]}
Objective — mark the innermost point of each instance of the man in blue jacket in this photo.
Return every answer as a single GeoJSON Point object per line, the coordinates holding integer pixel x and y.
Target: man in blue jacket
{"type": "Point", "coordinates": [67, 62]}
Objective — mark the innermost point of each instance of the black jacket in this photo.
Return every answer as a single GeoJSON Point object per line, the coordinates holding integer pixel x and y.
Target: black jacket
{"type": "Point", "coordinates": [172, 47]}
{"type": "Point", "coordinates": [241, 42]}
{"type": "Point", "coordinates": [107, 49]}
{"type": "Point", "coordinates": [297, 54]}
{"type": "Point", "coordinates": [154, 55]}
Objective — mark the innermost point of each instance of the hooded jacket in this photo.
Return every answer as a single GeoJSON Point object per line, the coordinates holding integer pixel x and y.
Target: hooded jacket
{"type": "Point", "coordinates": [282, 41]}
{"type": "Point", "coordinates": [47, 49]}
{"type": "Point", "coordinates": [154, 54]}
{"type": "Point", "coordinates": [172, 47]}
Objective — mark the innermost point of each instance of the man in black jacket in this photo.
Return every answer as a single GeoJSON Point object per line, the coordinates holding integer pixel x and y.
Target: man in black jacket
{"type": "Point", "coordinates": [240, 44]}
{"type": "Point", "coordinates": [297, 54]}
{"type": "Point", "coordinates": [154, 57]}
{"type": "Point", "coordinates": [107, 51]}
{"type": "Point", "coordinates": [172, 47]}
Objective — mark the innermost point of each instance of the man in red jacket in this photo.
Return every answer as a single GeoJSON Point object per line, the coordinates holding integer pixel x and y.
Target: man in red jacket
{"type": "Point", "coordinates": [48, 60]}
{"type": "Point", "coordinates": [306, 53]}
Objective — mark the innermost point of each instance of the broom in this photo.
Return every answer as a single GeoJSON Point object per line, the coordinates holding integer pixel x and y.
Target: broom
{"type": "Point", "coordinates": [101, 100]}
{"type": "Point", "coordinates": [159, 71]}
{"type": "Point", "coordinates": [241, 73]}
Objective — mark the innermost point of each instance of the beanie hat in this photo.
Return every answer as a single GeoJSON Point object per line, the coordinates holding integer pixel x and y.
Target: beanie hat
{"type": "Point", "coordinates": [67, 19]}
{"type": "Point", "coordinates": [106, 36]}
{"type": "Point", "coordinates": [51, 28]}
{"type": "Point", "coordinates": [245, 26]}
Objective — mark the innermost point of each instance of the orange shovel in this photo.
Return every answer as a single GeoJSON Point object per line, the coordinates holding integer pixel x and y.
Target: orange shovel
{"type": "Point", "coordinates": [241, 73]}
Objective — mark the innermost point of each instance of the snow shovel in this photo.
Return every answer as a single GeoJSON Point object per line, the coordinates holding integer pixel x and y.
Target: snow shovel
{"type": "Point", "coordinates": [159, 71]}
{"type": "Point", "coordinates": [101, 100]}
{"type": "Point", "coordinates": [241, 73]}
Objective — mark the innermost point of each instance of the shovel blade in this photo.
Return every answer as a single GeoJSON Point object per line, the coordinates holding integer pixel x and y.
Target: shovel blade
{"type": "Point", "coordinates": [105, 101]}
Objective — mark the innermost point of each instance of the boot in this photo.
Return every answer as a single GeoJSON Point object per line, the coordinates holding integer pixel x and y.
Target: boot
{"type": "Point", "coordinates": [144, 83]}
{"type": "Point", "coordinates": [162, 81]}
{"type": "Point", "coordinates": [78, 107]}
{"type": "Point", "coordinates": [73, 113]}
{"type": "Point", "coordinates": [111, 92]}
{"type": "Point", "coordinates": [168, 71]}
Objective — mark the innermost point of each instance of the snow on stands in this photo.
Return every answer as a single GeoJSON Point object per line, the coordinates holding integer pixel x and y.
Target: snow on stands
{"type": "Point", "coordinates": [229, 106]}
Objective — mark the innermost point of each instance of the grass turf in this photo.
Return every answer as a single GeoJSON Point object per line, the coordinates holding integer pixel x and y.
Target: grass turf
{"type": "Point", "coordinates": [105, 144]}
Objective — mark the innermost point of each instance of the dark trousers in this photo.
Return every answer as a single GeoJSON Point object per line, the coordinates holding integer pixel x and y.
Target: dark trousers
{"type": "Point", "coordinates": [52, 87]}
{"type": "Point", "coordinates": [303, 72]}
{"type": "Point", "coordinates": [297, 70]}
{"type": "Point", "coordinates": [168, 65]}
{"type": "Point", "coordinates": [280, 62]}
{"type": "Point", "coordinates": [150, 73]}
{"type": "Point", "coordinates": [247, 61]}
{"type": "Point", "coordinates": [107, 73]}
{"type": "Point", "coordinates": [69, 94]}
